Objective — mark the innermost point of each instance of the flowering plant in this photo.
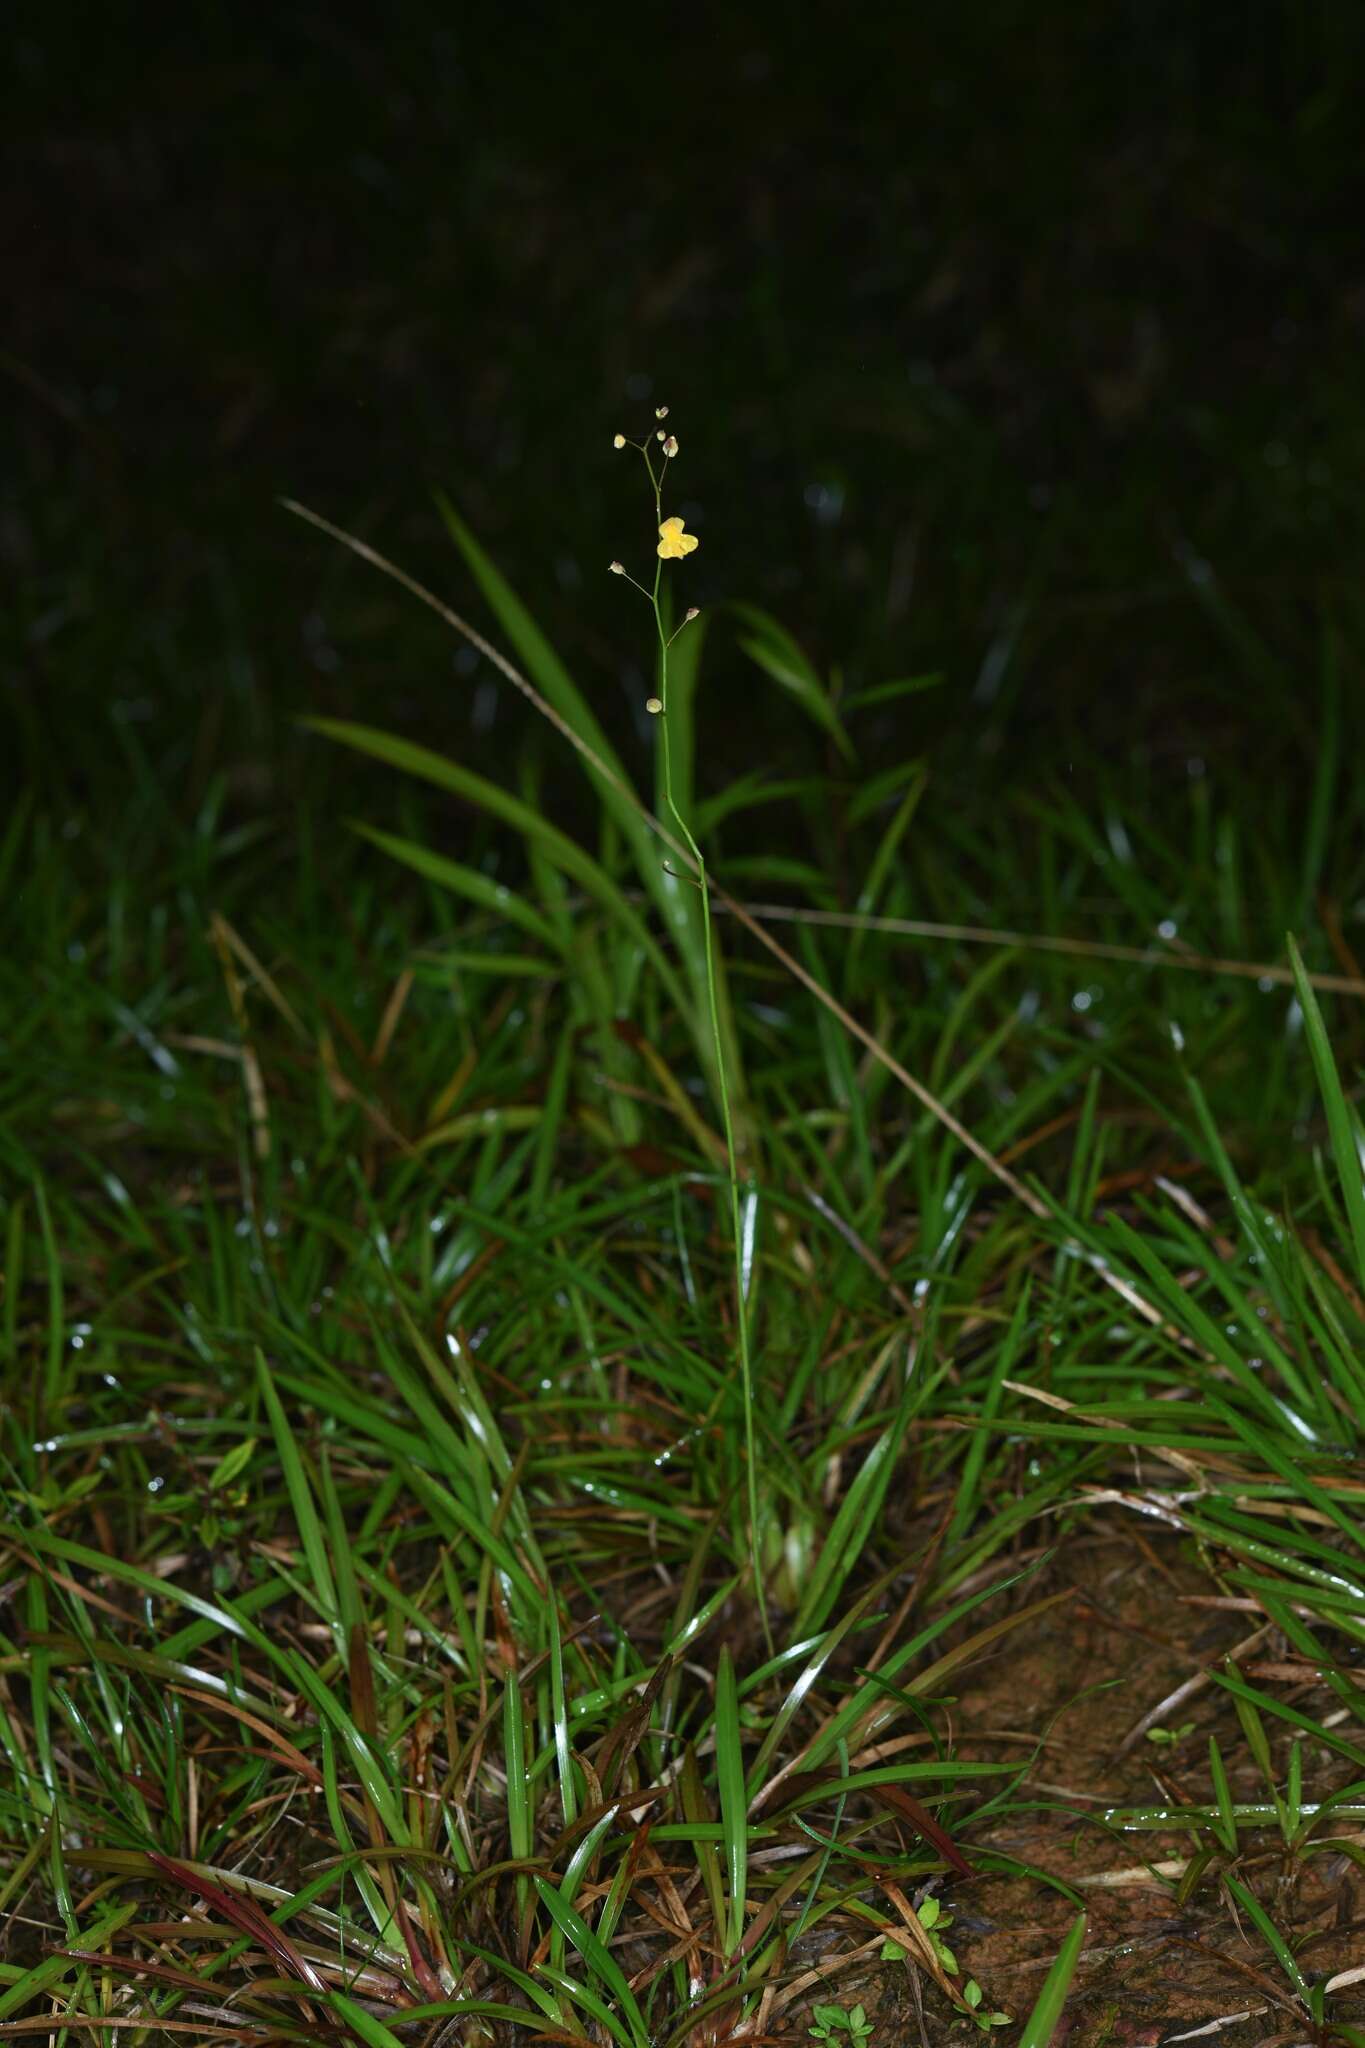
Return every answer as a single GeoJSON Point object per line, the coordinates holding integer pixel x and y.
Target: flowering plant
{"type": "Point", "coordinates": [675, 544]}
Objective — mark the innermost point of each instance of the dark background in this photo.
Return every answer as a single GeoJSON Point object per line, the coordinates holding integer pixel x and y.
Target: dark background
{"type": "Point", "coordinates": [1021, 343]}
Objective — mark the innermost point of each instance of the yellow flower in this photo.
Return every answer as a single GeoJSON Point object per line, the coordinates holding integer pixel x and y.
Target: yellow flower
{"type": "Point", "coordinates": [674, 543]}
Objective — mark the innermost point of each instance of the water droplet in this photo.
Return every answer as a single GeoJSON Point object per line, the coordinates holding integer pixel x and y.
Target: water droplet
{"type": "Point", "coordinates": [826, 501]}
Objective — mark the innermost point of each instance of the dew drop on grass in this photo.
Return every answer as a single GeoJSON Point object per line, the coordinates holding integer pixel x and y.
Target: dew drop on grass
{"type": "Point", "coordinates": [1119, 841]}
{"type": "Point", "coordinates": [747, 1238]}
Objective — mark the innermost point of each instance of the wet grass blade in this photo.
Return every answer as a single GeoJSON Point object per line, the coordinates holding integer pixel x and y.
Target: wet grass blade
{"type": "Point", "coordinates": [1269, 1933]}
{"type": "Point", "coordinates": [532, 824]}
{"type": "Point", "coordinates": [600, 1961]}
{"type": "Point", "coordinates": [1041, 2024]}
{"type": "Point", "coordinates": [733, 1804]}
{"type": "Point", "coordinates": [1343, 1125]}
{"type": "Point", "coordinates": [302, 1502]}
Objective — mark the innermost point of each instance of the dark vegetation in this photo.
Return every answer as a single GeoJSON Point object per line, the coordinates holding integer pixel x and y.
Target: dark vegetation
{"type": "Point", "coordinates": [397, 1640]}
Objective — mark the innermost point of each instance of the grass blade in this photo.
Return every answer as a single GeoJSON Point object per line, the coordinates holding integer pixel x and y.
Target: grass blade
{"type": "Point", "coordinates": [733, 1805]}
{"type": "Point", "coordinates": [1342, 1125]}
{"type": "Point", "coordinates": [1041, 2023]}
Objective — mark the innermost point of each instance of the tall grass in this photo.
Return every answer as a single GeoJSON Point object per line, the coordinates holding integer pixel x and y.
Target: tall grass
{"type": "Point", "coordinates": [382, 1644]}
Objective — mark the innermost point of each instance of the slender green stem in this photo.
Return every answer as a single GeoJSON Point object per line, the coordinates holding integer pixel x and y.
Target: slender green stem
{"type": "Point", "coordinates": [722, 1078]}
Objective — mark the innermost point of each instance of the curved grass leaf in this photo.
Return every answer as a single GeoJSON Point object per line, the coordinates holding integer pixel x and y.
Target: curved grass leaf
{"type": "Point", "coordinates": [557, 847]}
{"type": "Point", "coordinates": [771, 647]}
{"type": "Point", "coordinates": [494, 897]}
{"type": "Point", "coordinates": [1343, 1125]}
{"type": "Point", "coordinates": [598, 1958]}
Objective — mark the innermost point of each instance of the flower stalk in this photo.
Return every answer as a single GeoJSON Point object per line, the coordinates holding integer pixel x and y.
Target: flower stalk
{"type": "Point", "coordinates": [676, 544]}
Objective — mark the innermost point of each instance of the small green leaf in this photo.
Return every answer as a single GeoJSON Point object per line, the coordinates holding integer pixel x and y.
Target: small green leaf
{"type": "Point", "coordinates": [232, 1463]}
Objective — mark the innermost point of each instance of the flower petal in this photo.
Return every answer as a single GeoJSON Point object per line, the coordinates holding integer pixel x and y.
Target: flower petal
{"type": "Point", "coordinates": [673, 542]}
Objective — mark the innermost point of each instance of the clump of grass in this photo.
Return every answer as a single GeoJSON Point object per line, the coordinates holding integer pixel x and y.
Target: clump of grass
{"type": "Point", "coordinates": [383, 1650]}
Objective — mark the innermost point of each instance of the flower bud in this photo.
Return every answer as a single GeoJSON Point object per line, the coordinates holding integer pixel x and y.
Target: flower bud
{"type": "Point", "coordinates": [617, 568]}
{"type": "Point", "coordinates": [653, 705]}
{"type": "Point", "coordinates": [661, 412]}
{"type": "Point", "coordinates": [671, 445]}
{"type": "Point", "coordinates": [618, 441]}
{"type": "Point", "coordinates": [690, 614]}
{"type": "Point", "coordinates": [660, 435]}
